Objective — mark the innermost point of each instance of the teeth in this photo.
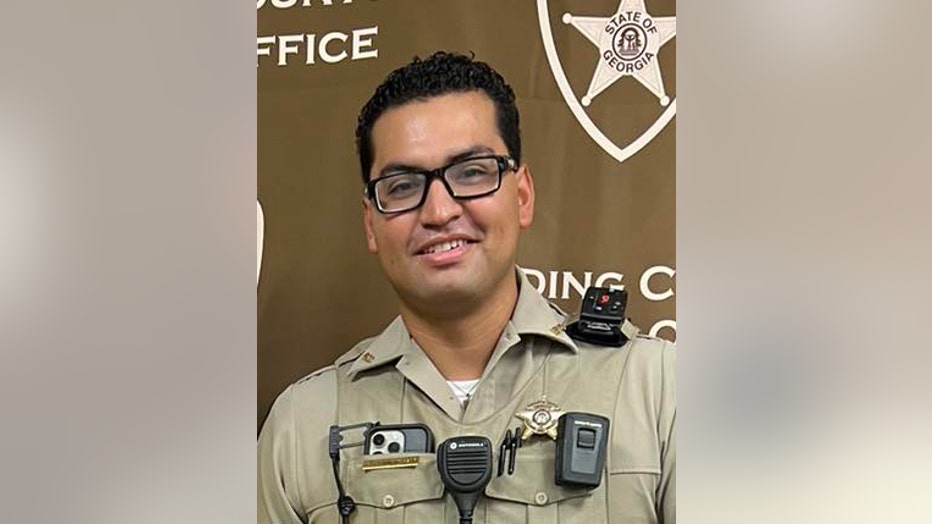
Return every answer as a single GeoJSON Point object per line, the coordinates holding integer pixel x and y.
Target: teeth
{"type": "Point", "coordinates": [445, 246]}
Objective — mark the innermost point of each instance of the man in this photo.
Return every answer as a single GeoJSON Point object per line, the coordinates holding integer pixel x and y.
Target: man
{"type": "Point", "coordinates": [475, 344]}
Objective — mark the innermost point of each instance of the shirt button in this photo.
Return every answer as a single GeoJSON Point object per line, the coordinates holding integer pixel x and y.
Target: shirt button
{"type": "Point", "coordinates": [540, 498]}
{"type": "Point", "coordinates": [388, 501]}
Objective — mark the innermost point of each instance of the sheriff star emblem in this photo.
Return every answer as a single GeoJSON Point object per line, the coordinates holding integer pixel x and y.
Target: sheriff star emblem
{"type": "Point", "coordinates": [540, 418]}
{"type": "Point", "coordinates": [628, 43]}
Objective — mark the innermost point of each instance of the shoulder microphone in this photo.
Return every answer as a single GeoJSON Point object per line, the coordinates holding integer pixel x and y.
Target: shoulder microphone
{"type": "Point", "coordinates": [465, 465]}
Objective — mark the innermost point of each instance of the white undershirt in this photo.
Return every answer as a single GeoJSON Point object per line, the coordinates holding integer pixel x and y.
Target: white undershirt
{"type": "Point", "coordinates": [463, 389]}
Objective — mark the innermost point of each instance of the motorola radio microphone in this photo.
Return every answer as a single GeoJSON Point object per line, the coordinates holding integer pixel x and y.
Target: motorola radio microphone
{"type": "Point", "coordinates": [465, 465]}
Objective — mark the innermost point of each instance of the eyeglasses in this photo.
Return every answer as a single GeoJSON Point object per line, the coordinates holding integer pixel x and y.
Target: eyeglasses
{"type": "Point", "coordinates": [471, 178]}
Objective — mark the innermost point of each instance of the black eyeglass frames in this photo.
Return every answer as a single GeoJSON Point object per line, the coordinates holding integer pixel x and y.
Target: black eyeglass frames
{"type": "Point", "coordinates": [470, 178]}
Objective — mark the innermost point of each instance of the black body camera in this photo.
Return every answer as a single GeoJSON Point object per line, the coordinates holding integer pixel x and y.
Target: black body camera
{"type": "Point", "coordinates": [582, 439]}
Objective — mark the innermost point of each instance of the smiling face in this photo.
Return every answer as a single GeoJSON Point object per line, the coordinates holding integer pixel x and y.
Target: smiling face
{"type": "Point", "coordinates": [448, 253]}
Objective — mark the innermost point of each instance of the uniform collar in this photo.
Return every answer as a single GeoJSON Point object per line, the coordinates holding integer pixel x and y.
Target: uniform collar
{"type": "Point", "coordinates": [533, 316]}
{"type": "Point", "coordinates": [389, 345]}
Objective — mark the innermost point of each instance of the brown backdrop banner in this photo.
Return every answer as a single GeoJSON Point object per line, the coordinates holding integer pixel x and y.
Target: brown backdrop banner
{"type": "Point", "coordinates": [596, 87]}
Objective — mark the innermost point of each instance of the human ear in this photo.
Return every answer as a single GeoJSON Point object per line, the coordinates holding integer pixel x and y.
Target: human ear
{"type": "Point", "coordinates": [525, 197]}
{"type": "Point", "coordinates": [367, 226]}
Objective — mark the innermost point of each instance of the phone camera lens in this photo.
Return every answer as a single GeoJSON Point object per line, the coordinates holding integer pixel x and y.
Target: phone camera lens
{"type": "Point", "coordinates": [378, 440]}
{"type": "Point", "coordinates": [394, 447]}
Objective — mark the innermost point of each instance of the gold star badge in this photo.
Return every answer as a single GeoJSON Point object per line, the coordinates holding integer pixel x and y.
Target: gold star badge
{"type": "Point", "coordinates": [540, 418]}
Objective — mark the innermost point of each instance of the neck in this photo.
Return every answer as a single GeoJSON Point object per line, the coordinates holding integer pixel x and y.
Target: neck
{"type": "Point", "coordinates": [460, 343]}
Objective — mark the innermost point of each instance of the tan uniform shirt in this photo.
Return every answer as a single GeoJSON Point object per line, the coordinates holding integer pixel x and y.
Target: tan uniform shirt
{"type": "Point", "coordinates": [389, 379]}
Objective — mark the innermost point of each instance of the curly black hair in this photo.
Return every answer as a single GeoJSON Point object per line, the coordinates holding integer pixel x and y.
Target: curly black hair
{"type": "Point", "coordinates": [440, 74]}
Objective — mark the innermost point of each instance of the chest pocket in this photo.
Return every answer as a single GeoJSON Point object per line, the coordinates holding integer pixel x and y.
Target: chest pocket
{"type": "Point", "coordinates": [388, 496]}
{"type": "Point", "coordinates": [633, 493]}
{"type": "Point", "coordinates": [416, 494]}
{"type": "Point", "coordinates": [531, 495]}
{"type": "Point", "coordinates": [633, 475]}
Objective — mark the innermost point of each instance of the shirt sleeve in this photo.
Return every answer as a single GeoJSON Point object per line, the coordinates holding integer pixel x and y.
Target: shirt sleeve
{"type": "Point", "coordinates": [666, 491]}
{"type": "Point", "coordinates": [277, 474]}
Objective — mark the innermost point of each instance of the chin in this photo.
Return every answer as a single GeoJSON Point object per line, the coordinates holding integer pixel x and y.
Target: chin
{"type": "Point", "coordinates": [446, 291]}
{"type": "Point", "coordinates": [444, 294]}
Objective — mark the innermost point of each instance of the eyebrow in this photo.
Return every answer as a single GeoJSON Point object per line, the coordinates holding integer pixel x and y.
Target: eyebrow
{"type": "Point", "coordinates": [398, 167]}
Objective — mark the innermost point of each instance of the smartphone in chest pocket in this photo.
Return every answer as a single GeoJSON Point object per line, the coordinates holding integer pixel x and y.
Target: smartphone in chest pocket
{"type": "Point", "coordinates": [398, 438]}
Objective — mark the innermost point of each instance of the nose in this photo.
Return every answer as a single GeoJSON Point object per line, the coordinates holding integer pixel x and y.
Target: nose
{"type": "Point", "coordinates": [439, 207]}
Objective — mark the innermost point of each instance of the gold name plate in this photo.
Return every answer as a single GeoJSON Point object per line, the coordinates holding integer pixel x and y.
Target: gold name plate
{"type": "Point", "coordinates": [390, 463]}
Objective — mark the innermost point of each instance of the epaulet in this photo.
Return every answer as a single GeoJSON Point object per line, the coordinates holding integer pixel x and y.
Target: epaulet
{"type": "Point", "coordinates": [646, 336]}
{"type": "Point", "coordinates": [657, 341]}
{"type": "Point", "coordinates": [354, 353]}
{"type": "Point", "coordinates": [313, 374]}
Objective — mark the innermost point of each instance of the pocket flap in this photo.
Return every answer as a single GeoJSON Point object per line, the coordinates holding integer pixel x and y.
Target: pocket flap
{"type": "Point", "coordinates": [644, 468]}
{"type": "Point", "coordinates": [533, 482]}
{"type": "Point", "coordinates": [394, 486]}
